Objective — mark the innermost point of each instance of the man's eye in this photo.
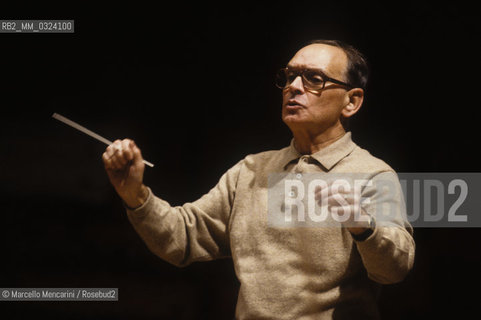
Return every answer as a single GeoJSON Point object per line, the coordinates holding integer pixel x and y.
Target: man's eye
{"type": "Point", "coordinates": [314, 78]}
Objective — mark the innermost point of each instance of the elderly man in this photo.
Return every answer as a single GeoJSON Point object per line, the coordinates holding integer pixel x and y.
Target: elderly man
{"type": "Point", "coordinates": [287, 272]}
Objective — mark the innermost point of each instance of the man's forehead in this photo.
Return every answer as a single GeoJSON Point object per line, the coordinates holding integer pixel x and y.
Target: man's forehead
{"type": "Point", "coordinates": [321, 56]}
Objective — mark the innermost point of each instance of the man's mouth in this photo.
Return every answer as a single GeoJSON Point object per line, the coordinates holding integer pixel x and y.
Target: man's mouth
{"type": "Point", "coordinates": [294, 104]}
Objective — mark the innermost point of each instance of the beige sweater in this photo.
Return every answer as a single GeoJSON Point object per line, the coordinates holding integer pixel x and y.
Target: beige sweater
{"type": "Point", "coordinates": [284, 272]}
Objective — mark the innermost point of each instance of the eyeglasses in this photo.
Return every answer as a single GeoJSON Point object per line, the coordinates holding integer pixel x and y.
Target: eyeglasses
{"type": "Point", "coordinates": [312, 79]}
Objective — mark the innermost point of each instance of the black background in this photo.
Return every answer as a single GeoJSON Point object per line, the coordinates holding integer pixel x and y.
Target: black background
{"type": "Point", "coordinates": [193, 86]}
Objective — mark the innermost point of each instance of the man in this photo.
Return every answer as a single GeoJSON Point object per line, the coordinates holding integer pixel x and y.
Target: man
{"type": "Point", "coordinates": [287, 272]}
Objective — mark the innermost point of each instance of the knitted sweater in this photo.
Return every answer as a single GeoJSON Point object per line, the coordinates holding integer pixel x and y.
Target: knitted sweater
{"type": "Point", "coordinates": [285, 272]}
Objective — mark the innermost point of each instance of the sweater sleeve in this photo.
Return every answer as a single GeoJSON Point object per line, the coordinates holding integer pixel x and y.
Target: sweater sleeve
{"type": "Point", "coordinates": [388, 253]}
{"type": "Point", "coordinates": [196, 231]}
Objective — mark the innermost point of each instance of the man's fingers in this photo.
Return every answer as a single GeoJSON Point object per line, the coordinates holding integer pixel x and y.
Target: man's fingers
{"type": "Point", "coordinates": [109, 151]}
{"type": "Point", "coordinates": [113, 149]}
{"type": "Point", "coordinates": [107, 161]}
{"type": "Point", "coordinates": [127, 151]}
{"type": "Point", "coordinates": [340, 199]}
{"type": "Point", "coordinates": [137, 154]}
{"type": "Point", "coordinates": [122, 153]}
{"type": "Point", "coordinates": [320, 192]}
{"type": "Point", "coordinates": [118, 162]}
{"type": "Point", "coordinates": [335, 200]}
{"type": "Point", "coordinates": [113, 156]}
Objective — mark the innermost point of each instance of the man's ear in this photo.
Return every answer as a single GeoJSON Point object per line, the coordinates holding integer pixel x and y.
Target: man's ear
{"type": "Point", "coordinates": [354, 101]}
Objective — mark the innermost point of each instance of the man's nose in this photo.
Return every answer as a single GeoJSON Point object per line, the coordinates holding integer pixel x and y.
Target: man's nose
{"type": "Point", "coordinates": [297, 86]}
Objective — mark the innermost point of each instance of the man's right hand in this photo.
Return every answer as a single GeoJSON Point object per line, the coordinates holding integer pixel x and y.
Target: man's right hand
{"type": "Point", "coordinates": [125, 167]}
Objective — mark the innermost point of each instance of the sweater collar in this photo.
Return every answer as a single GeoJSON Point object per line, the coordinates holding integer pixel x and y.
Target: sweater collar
{"type": "Point", "coordinates": [329, 156]}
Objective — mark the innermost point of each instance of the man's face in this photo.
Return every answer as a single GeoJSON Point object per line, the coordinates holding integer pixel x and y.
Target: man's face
{"type": "Point", "coordinates": [322, 110]}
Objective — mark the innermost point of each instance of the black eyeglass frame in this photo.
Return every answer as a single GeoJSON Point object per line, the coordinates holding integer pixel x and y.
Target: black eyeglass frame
{"type": "Point", "coordinates": [301, 72]}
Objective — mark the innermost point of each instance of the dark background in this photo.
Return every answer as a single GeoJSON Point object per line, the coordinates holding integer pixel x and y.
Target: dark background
{"type": "Point", "coordinates": [193, 85]}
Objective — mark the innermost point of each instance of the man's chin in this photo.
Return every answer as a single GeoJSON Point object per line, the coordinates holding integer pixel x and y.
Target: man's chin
{"type": "Point", "coordinates": [294, 119]}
